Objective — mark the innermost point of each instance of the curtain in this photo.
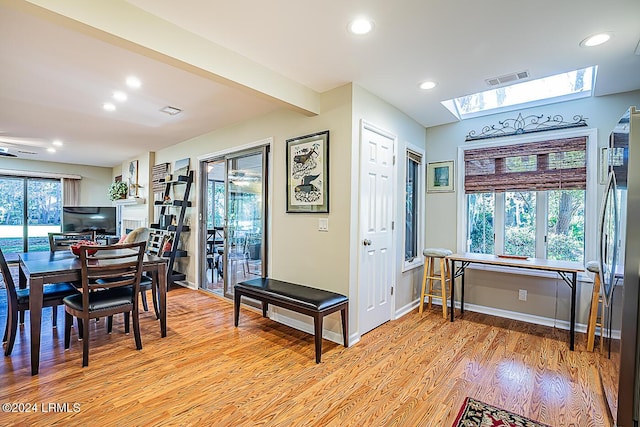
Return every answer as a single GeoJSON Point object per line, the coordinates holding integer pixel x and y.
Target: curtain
{"type": "Point", "coordinates": [536, 166]}
{"type": "Point", "coordinates": [70, 192]}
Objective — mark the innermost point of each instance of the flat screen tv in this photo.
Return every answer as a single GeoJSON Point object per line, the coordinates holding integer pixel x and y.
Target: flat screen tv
{"type": "Point", "coordinates": [102, 220]}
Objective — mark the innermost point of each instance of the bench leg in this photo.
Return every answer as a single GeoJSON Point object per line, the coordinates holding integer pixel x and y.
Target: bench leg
{"type": "Point", "coordinates": [344, 313]}
{"type": "Point", "coordinates": [265, 307]}
{"type": "Point", "coordinates": [317, 325]}
{"type": "Point", "coordinates": [236, 307]}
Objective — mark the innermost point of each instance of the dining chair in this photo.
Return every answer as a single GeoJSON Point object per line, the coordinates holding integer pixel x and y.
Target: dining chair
{"type": "Point", "coordinates": [18, 301]}
{"type": "Point", "coordinates": [155, 246]}
{"type": "Point", "coordinates": [62, 241]}
{"type": "Point", "coordinates": [110, 285]}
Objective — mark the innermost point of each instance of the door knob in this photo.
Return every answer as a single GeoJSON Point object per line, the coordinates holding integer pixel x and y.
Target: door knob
{"type": "Point", "coordinates": [366, 242]}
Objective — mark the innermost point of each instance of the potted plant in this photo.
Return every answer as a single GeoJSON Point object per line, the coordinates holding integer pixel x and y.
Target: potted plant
{"type": "Point", "coordinates": [118, 190]}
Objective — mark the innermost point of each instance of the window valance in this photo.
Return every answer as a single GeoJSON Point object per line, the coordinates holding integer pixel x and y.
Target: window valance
{"type": "Point", "coordinates": [558, 164]}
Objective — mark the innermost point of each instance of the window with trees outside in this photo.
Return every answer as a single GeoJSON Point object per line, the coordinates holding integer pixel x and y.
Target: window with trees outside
{"type": "Point", "coordinates": [527, 199]}
{"type": "Point", "coordinates": [30, 208]}
{"type": "Point", "coordinates": [414, 212]}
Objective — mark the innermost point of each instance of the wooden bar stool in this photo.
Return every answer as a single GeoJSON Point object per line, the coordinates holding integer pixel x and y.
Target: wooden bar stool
{"type": "Point", "coordinates": [433, 255]}
{"type": "Point", "coordinates": [596, 302]}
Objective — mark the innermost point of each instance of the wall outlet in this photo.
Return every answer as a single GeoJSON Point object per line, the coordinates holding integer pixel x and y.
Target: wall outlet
{"type": "Point", "coordinates": [522, 294]}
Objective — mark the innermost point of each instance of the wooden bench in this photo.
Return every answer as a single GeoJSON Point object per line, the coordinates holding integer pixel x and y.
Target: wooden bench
{"type": "Point", "coordinates": [313, 302]}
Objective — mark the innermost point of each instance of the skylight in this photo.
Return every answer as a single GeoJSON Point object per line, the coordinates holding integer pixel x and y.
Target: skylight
{"type": "Point", "coordinates": [557, 88]}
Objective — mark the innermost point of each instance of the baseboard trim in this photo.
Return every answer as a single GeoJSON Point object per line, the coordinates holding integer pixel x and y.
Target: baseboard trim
{"type": "Point", "coordinates": [507, 314]}
{"type": "Point", "coordinates": [307, 327]}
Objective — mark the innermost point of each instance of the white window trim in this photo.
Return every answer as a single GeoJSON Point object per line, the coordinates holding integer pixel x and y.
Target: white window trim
{"type": "Point", "coordinates": [591, 197]}
{"type": "Point", "coordinates": [418, 261]}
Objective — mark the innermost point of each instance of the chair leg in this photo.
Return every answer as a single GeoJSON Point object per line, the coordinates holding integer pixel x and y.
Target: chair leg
{"type": "Point", "coordinates": [68, 321]}
{"type": "Point", "coordinates": [80, 328]}
{"type": "Point", "coordinates": [126, 322]}
{"type": "Point", "coordinates": [12, 327]}
{"type": "Point", "coordinates": [144, 300]}
{"type": "Point", "coordinates": [85, 345]}
{"type": "Point", "coordinates": [424, 285]}
{"type": "Point", "coordinates": [154, 297]}
{"type": "Point", "coordinates": [430, 279]}
{"type": "Point", "coordinates": [136, 329]}
{"type": "Point", "coordinates": [54, 316]}
{"type": "Point", "coordinates": [6, 326]}
{"type": "Point", "coordinates": [443, 286]}
{"type": "Point", "coordinates": [593, 314]}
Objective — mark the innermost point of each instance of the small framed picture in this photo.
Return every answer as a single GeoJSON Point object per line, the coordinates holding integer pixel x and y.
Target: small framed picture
{"type": "Point", "coordinates": [308, 173]}
{"type": "Point", "coordinates": [440, 177]}
{"type": "Point", "coordinates": [133, 179]}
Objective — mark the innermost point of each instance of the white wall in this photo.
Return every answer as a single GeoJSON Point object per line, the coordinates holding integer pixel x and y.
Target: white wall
{"type": "Point", "coordinates": [500, 291]}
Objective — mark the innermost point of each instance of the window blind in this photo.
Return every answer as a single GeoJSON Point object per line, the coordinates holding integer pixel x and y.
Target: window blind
{"type": "Point", "coordinates": [559, 164]}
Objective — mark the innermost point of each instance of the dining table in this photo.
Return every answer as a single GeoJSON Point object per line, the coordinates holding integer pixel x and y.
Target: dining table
{"type": "Point", "coordinates": [39, 268]}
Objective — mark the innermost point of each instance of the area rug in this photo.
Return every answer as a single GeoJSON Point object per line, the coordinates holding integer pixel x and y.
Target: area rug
{"type": "Point", "coordinates": [478, 414]}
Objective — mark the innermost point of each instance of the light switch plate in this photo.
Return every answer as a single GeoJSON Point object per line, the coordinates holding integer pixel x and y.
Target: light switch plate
{"type": "Point", "coordinates": [323, 224]}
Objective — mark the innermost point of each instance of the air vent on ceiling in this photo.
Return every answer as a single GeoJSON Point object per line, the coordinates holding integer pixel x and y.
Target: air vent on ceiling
{"type": "Point", "coordinates": [172, 111]}
{"type": "Point", "coordinates": [5, 152]}
{"type": "Point", "coordinates": [508, 78]}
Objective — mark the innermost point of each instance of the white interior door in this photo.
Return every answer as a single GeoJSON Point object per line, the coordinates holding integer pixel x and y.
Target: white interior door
{"type": "Point", "coordinates": [375, 276]}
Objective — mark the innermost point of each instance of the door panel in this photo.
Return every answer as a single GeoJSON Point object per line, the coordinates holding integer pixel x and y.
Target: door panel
{"type": "Point", "coordinates": [376, 235]}
{"type": "Point", "coordinates": [236, 219]}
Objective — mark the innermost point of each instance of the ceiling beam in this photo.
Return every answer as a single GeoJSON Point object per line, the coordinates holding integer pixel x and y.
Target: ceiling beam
{"type": "Point", "coordinates": [122, 24]}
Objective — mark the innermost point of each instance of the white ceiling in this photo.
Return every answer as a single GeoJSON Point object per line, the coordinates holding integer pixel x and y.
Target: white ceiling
{"type": "Point", "coordinates": [54, 77]}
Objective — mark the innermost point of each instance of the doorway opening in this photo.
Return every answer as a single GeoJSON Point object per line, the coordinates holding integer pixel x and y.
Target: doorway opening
{"type": "Point", "coordinates": [30, 209]}
{"type": "Point", "coordinates": [234, 219]}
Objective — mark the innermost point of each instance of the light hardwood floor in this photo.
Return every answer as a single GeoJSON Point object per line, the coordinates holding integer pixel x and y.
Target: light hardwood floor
{"type": "Point", "coordinates": [415, 371]}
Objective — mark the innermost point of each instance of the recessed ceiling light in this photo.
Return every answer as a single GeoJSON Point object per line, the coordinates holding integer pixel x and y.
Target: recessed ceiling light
{"type": "Point", "coordinates": [596, 39]}
{"type": "Point", "coordinates": [119, 96]}
{"type": "Point", "coordinates": [108, 106]}
{"type": "Point", "coordinates": [361, 26]}
{"type": "Point", "coordinates": [133, 82]}
{"type": "Point", "coordinates": [428, 85]}
{"type": "Point", "coordinates": [57, 143]}
{"type": "Point", "coordinates": [51, 150]}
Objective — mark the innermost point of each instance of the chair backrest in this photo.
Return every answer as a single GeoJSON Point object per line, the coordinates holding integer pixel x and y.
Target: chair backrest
{"type": "Point", "coordinates": [156, 242]}
{"type": "Point", "coordinates": [62, 241]}
{"type": "Point", "coordinates": [118, 266]}
{"type": "Point", "coordinates": [12, 297]}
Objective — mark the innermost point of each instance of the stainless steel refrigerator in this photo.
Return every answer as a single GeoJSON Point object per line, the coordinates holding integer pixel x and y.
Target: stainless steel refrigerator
{"type": "Point", "coordinates": [619, 259]}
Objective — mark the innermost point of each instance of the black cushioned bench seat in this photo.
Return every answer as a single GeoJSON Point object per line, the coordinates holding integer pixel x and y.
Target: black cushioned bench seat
{"type": "Point", "coordinates": [313, 302]}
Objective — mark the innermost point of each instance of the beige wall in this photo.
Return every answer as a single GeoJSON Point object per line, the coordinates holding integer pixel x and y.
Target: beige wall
{"type": "Point", "coordinates": [500, 291]}
{"type": "Point", "coordinates": [142, 213]}
{"type": "Point", "coordinates": [298, 251]}
{"type": "Point", "coordinates": [94, 185]}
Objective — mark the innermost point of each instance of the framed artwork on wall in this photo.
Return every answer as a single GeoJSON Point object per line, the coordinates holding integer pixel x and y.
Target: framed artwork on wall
{"type": "Point", "coordinates": [181, 167]}
{"type": "Point", "coordinates": [440, 177]}
{"type": "Point", "coordinates": [308, 173]}
{"type": "Point", "coordinates": [133, 179]}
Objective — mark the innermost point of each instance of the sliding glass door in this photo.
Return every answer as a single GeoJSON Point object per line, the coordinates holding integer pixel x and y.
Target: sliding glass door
{"type": "Point", "coordinates": [235, 220]}
{"type": "Point", "coordinates": [30, 208]}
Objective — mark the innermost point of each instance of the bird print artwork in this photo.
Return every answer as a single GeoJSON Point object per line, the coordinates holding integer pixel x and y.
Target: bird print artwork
{"type": "Point", "coordinates": [306, 174]}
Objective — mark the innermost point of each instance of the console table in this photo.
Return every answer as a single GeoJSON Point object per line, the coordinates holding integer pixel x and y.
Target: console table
{"type": "Point", "coordinates": [567, 270]}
